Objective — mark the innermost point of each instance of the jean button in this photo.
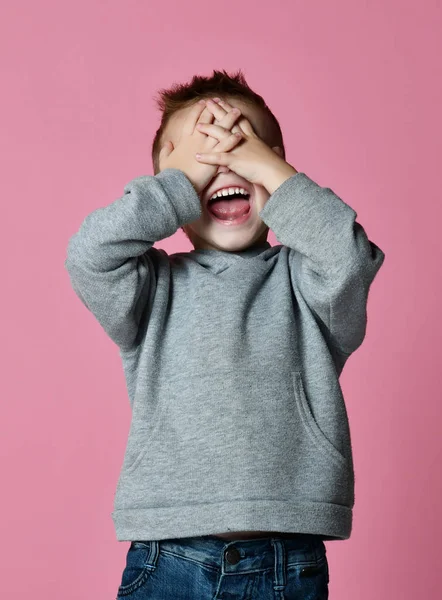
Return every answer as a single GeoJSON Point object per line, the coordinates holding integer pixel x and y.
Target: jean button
{"type": "Point", "coordinates": [232, 555]}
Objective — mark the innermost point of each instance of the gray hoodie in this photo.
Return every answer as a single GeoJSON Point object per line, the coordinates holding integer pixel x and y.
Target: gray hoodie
{"type": "Point", "coordinates": [232, 359]}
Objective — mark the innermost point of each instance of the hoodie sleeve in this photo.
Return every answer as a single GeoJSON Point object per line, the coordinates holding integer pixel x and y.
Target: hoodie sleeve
{"type": "Point", "coordinates": [108, 259]}
{"type": "Point", "coordinates": [332, 262]}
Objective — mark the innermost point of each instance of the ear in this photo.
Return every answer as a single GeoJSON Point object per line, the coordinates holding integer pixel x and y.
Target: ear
{"type": "Point", "coordinates": [278, 150]}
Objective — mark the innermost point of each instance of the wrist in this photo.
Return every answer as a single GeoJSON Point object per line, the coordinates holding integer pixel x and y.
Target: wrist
{"type": "Point", "coordinates": [277, 174]}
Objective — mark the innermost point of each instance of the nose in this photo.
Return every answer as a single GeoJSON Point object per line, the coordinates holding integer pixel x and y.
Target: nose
{"type": "Point", "coordinates": [223, 169]}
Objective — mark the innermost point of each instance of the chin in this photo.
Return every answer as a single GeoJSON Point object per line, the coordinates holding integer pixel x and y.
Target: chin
{"type": "Point", "coordinates": [227, 241]}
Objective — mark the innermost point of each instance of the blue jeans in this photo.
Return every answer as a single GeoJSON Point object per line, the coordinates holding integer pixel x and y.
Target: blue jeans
{"type": "Point", "coordinates": [283, 567]}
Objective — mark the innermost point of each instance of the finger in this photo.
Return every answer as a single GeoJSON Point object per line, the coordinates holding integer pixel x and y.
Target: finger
{"type": "Point", "coordinates": [246, 126]}
{"type": "Point", "coordinates": [237, 129]}
{"type": "Point", "coordinates": [243, 125]}
{"type": "Point", "coordinates": [214, 158]}
{"type": "Point", "coordinates": [215, 131]}
{"type": "Point", "coordinates": [230, 117]}
{"type": "Point", "coordinates": [229, 142]}
{"type": "Point", "coordinates": [215, 109]}
{"type": "Point", "coordinates": [206, 116]}
{"type": "Point", "coordinates": [224, 104]}
{"type": "Point", "coordinates": [229, 108]}
{"type": "Point", "coordinates": [192, 117]}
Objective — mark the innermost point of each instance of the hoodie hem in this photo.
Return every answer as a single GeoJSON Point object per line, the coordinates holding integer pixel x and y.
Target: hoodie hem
{"type": "Point", "coordinates": [332, 521]}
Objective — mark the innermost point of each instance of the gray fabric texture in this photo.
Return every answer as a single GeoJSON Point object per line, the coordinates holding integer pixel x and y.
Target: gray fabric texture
{"type": "Point", "coordinates": [232, 359]}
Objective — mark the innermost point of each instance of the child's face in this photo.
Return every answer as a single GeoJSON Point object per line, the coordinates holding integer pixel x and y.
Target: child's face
{"type": "Point", "coordinates": [207, 232]}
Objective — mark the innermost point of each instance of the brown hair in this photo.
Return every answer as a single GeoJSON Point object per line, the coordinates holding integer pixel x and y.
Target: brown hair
{"type": "Point", "coordinates": [220, 83]}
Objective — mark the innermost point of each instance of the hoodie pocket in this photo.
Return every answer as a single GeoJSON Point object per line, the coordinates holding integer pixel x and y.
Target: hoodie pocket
{"type": "Point", "coordinates": [311, 426]}
{"type": "Point", "coordinates": [243, 432]}
{"type": "Point", "coordinates": [135, 462]}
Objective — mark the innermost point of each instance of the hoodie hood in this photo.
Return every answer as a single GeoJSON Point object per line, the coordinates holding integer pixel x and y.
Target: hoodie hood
{"type": "Point", "coordinates": [246, 253]}
{"type": "Point", "coordinates": [217, 261]}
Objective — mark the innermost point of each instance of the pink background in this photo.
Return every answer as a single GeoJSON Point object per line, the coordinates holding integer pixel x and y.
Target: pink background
{"type": "Point", "coordinates": [357, 90]}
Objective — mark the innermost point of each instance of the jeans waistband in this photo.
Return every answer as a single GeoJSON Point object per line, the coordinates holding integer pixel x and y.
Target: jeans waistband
{"type": "Point", "coordinates": [236, 556]}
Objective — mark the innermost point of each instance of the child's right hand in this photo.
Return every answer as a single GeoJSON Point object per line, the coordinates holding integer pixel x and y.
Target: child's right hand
{"type": "Point", "coordinates": [182, 156]}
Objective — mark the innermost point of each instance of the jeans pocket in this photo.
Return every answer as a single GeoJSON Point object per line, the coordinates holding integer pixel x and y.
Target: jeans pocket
{"type": "Point", "coordinates": [137, 570]}
{"type": "Point", "coordinates": [319, 568]}
{"type": "Point", "coordinates": [308, 580]}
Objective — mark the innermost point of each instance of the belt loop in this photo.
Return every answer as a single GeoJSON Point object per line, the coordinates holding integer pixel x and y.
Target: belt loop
{"type": "Point", "coordinates": [280, 566]}
{"type": "Point", "coordinates": [154, 551]}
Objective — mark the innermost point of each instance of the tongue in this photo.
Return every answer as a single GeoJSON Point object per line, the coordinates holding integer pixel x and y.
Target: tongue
{"type": "Point", "coordinates": [229, 209]}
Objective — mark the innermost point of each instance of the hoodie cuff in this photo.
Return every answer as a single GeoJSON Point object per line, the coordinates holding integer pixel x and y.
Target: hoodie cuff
{"type": "Point", "coordinates": [312, 220]}
{"type": "Point", "coordinates": [182, 194]}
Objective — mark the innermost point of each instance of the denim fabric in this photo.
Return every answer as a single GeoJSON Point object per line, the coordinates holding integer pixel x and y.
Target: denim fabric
{"type": "Point", "coordinates": [283, 567]}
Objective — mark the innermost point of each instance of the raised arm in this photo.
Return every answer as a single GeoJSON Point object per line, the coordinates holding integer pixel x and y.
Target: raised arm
{"type": "Point", "coordinates": [108, 259]}
{"type": "Point", "coordinates": [332, 261]}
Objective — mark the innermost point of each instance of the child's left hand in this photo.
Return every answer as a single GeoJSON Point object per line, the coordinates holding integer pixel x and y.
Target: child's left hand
{"type": "Point", "coordinates": [252, 158]}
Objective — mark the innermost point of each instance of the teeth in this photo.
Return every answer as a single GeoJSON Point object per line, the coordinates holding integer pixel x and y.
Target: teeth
{"type": "Point", "coordinates": [229, 192]}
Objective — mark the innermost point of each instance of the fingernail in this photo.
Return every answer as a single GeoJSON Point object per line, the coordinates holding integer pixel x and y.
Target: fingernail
{"type": "Point", "coordinates": [198, 155]}
{"type": "Point", "coordinates": [201, 101]}
{"type": "Point", "coordinates": [216, 99]}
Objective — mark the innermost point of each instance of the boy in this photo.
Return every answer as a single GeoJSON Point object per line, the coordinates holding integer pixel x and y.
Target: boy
{"type": "Point", "coordinates": [239, 445]}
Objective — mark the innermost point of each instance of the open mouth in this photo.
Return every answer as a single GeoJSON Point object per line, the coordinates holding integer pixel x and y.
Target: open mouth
{"type": "Point", "coordinates": [231, 209]}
